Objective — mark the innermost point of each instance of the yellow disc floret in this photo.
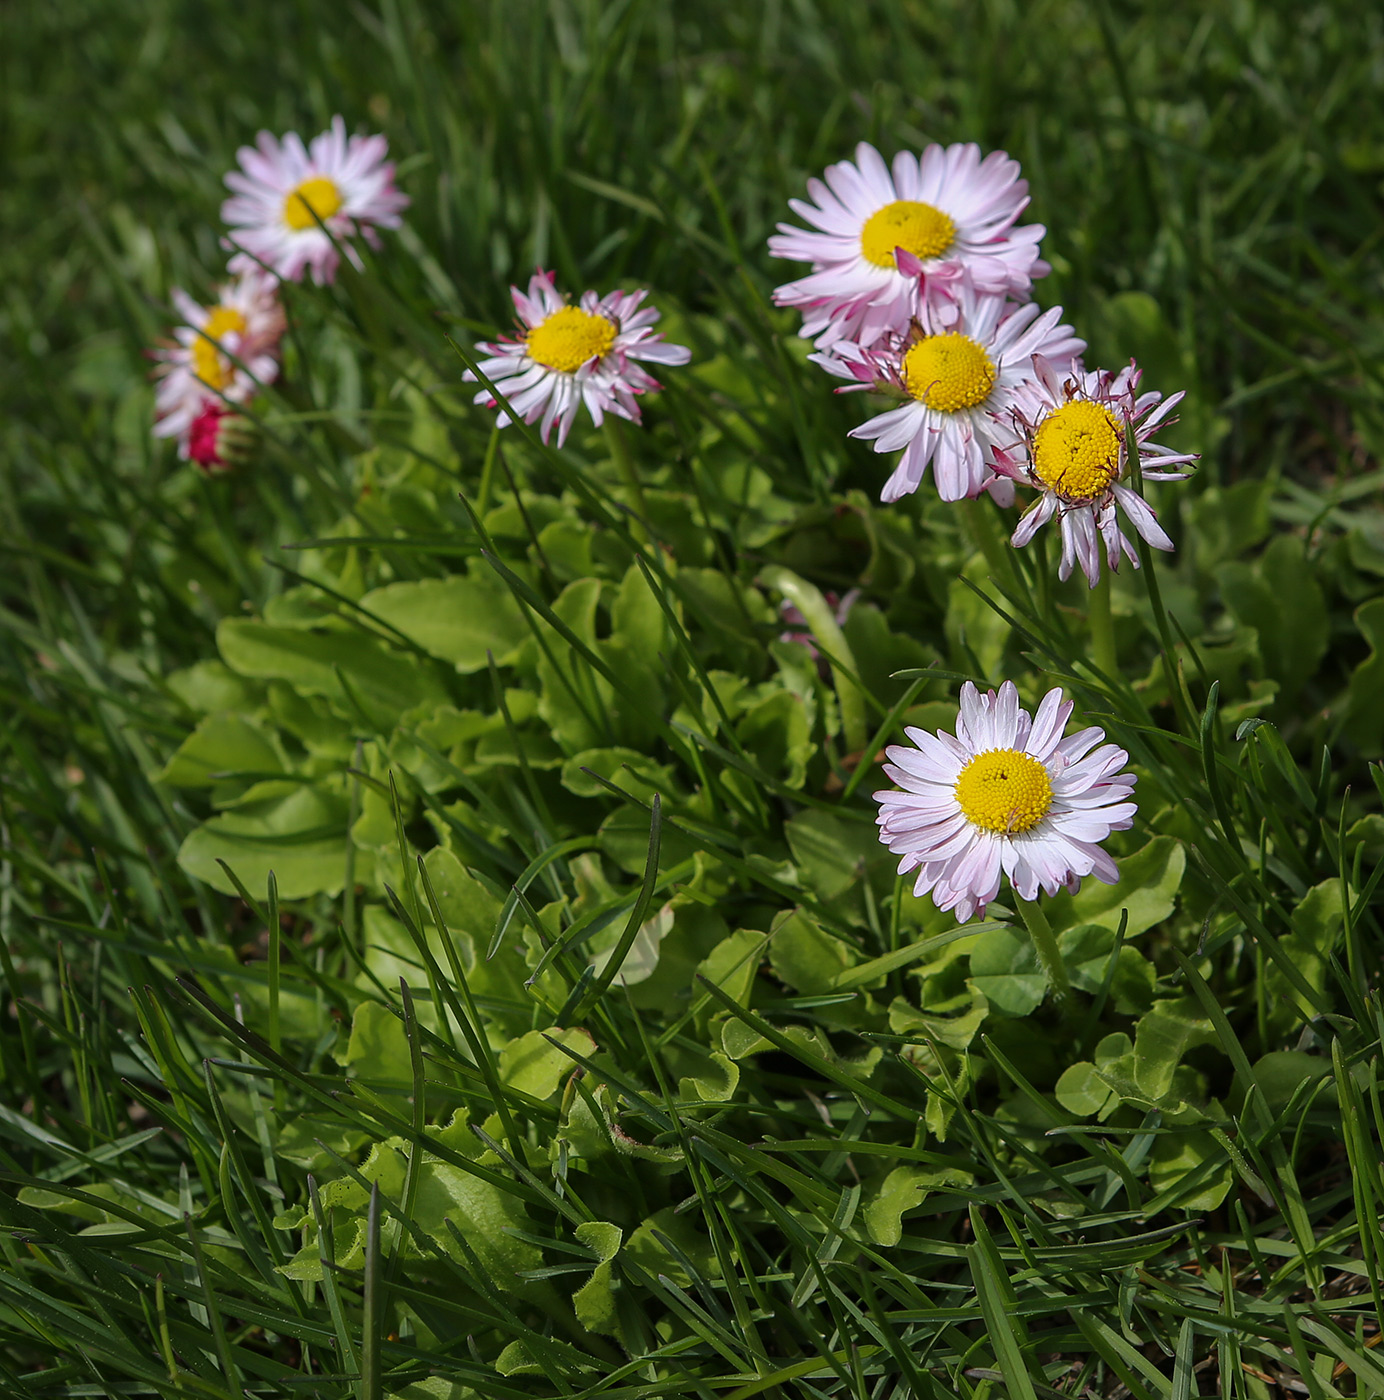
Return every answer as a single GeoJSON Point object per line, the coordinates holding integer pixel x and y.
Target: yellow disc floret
{"type": "Point", "coordinates": [1004, 790]}
{"type": "Point", "coordinates": [948, 372]}
{"type": "Point", "coordinates": [569, 338]}
{"type": "Point", "coordinates": [209, 364]}
{"type": "Point", "coordinates": [906, 223]}
{"type": "Point", "coordinates": [1076, 450]}
{"type": "Point", "coordinates": [317, 195]}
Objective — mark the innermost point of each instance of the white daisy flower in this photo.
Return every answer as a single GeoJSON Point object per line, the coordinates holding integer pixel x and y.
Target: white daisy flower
{"type": "Point", "coordinates": [291, 197]}
{"type": "Point", "coordinates": [220, 354]}
{"type": "Point", "coordinates": [1074, 451]}
{"type": "Point", "coordinates": [883, 235]}
{"type": "Point", "coordinates": [1006, 794]}
{"type": "Point", "coordinates": [964, 367]}
{"type": "Point", "coordinates": [570, 355]}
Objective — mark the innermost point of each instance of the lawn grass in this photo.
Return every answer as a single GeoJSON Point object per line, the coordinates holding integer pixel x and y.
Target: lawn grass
{"type": "Point", "coordinates": [263, 1142]}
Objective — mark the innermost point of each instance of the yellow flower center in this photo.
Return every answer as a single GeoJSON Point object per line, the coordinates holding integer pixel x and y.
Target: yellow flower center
{"type": "Point", "coordinates": [1004, 790]}
{"type": "Point", "coordinates": [948, 372]}
{"type": "Point", "coordinates": [569, 338]}
{"type": "Point", "coordinates": [1076, 450]}
{"type": "Point", "coordinates": [208, 363]}
{"type": "Point", "coordinates": [924, 231]}
{"type": "Point", "coordinates": [317, 195]}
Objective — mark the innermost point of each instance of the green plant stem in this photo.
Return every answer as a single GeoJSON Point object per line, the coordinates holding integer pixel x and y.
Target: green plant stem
{"type": "Point", "coordinates": [821, 622]}
{"type": "Point", "coordinates": [1102, 626]}
{"type": "Point", "coordinates": [980, 521]}
{"type": "Point", "coordinates": [1045, 942]}
{"type": "Point", "coordinates": [620, 452]}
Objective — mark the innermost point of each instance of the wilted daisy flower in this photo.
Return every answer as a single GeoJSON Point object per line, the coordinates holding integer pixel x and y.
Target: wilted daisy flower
{"type": "Point", "coordinates": [882, 234]}
{"type": "Point", "coordinates": [1005, 794]}
{"type": "Point", "coordinates": [1074, 451]}
{"type": "Point", "coordinates": [221, 353]}
{"type": "Point", "coordinates": [290, 197]}
{"type": "Point", "coordinates": [570, 355]}
{"type": "Point", "coordinates": [963, 368]}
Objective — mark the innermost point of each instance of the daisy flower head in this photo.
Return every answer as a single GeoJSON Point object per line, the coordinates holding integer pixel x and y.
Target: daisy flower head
{"type": "Point", "coordinates": [963, 366]}
{"type": "Point", "coordinates": [883, 233]}
{"type": "Point", "coordinates": [220, 354]}
{"type": "Point", "coordinates": [1005, 794]}
{"type": "Point", "coordinates": [568, 355]}
{"type": "Point", "coordinates": [218, 439]}
{"type": "Point", "coordinates": [290, 201]}
{"type": "Point", "coordinates": [1074, 449]}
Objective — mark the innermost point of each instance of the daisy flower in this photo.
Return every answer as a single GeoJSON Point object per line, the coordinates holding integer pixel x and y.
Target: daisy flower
{"type": "Point", "coordinates": [218, 439]}
{"type": "Point", "coordinates": [568, 355]}
{"type": "Point", "coordinates": [963, 368]}
{"type": "Point", "coordinates": [290, 198]}
{"type": "Point", "coordinates": [1074, 450]}
{"type": "Point", "coordinates": [220, 354]}
{"type": "Point", "coordinates": [882, 235]}
{"type": "Point", "coordinates": [1006, 794]}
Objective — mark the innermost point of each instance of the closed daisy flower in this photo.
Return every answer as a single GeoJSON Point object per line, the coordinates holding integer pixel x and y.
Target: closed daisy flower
{"type": "Point", "coordinates": [962, 369]}
{"type": "Point", "coordinates": [288, 198]}
{"type": "Point", "coordinates": [218, 439]}
{"type": "Point", "coordinates": [883, 232]}
{"type": "Point", "coordinates": [1007, 795]}
{"type": "Point", "coordinates": [220, 354]}
{"type": "Point", "coordinates": [1074, 450]}
{"type": "Point", "coordinates": [569, 355]}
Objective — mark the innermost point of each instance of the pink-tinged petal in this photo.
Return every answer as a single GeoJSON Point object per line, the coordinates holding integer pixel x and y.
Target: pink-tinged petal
{"type": "Point", "coordinates": [1142, 518]}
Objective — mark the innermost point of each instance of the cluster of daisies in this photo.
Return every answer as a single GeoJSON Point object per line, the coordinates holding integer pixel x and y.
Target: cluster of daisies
{"type": "Point", "coordinates": [919, 288]}
{"type": "Point", "coordinates": [294, 210]}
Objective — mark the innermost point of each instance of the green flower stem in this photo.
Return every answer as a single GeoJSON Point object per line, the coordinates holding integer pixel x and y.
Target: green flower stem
{"type": "Point", "coordinates": [1102, 626]}
{"type": "Point", "coordinates": [620, 452]}
{"type": "Point", "coordinates": [1045, 942]}
{"type": "Point", "coordinates": [821, 622]}
{"type": "Point", "coordinates": [980, 520]}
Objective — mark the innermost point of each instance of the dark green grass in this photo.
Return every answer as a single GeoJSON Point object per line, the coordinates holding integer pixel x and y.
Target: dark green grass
{"type": "Point", "coordinates": [1211, 182]}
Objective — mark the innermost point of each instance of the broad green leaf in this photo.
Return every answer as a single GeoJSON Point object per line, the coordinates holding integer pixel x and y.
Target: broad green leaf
{"type": "Point", "coordinates": [301, 838]}
{"type": "Point", "coordinates": [1161, 1039]}
{"type": "Point", "coordinates": [626, 768]}
{"type": "Point", "coordinates": [594, 1301]}
{"type": "Point", "coordinates": [645, 1247]}
{"type": "Point", "coordinates": [533, 1065]}
{"type": "Point", "coordinates": [776, 732]}
{"type": "Point", "coordinates": [1318, 926]}
{"type": "Point", "coordinates": [1086, 951]}
{"type": "Point", "coordinates": [641, 961]}
{"type": "Point", "coordinates": [1279, 597]}
{"type": "Point", "coordinates": [715, 1082]}
{"type": "Point", "coordinates": [458, 619]}
{"type": "Point", "coordinates": [1279, 1074]}
{"type": "Point", "coordinates": [831, 853]}
{"type": "Point", "coordinates": [212, 686]}
{"type": "Point", "coordinates": [905, 1189]}
{"type": "Point", "coordinates": [1178, 1154]}
{"type": "Point", "coordinates": [223, 744]}
{"type": "Point", "coordinates": [383, 682]}
{"type": "Point", "coordinates": [1005, 970]}
{"type": "Point", "coordinates": [1082, 1091]}
{"type": "Point", "coordinates": [805, 957]}
{"type": "Point", "coordinates": [1365, 715]}
{"type": "Point", "coordinates": [1148, 882]}
{"type": "Point", "coordinates": [378, 1047]}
